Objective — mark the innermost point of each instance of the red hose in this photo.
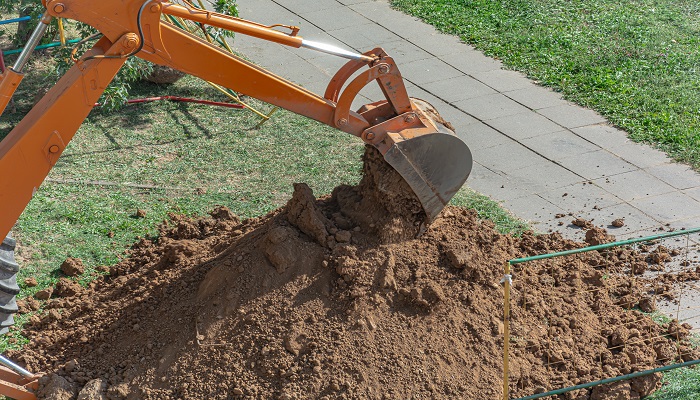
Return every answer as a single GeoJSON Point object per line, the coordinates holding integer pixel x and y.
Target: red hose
{"type": "Point", "coordinates": [182, 100]}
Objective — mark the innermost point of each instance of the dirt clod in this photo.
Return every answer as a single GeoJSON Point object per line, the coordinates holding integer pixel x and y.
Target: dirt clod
{"type": "Point", "coordinates": [67, 288]}
{"type": "Point", "coordinates": [118, 392]}
{"type": "Point", "coordinates": [163, 75]}
{"type": "Point", "coordinates": [618, 223]}
{"type": "Point", "coordinates": [596, 236]}
{"type": "Point", "coordinates": [44, 294]}
{"type": "Point", "coordinates": [30, 282]}
{"type": "Point", "coordinates": [55, 387]}
{"type": "Point", "coordinates": [582, 223]}
{"type": "Point", "coordinates": [73, 267]}
{"type": "Point", "coordinates": [93, 390]}
{"type": "Point", "coordinates": [458, 258]}
{"type": "Point", "coordinates": [647, 304]}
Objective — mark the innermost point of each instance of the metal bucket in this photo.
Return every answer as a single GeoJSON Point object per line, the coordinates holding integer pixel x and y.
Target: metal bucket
{"type": "Point", "coordinates": [434, 164]}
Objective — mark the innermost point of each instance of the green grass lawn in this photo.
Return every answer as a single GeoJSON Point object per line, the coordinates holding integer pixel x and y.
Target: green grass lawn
{"type": "Point", "coordinates": [679, 384]}
{"type": "Point", "coordinates": [635, 62]}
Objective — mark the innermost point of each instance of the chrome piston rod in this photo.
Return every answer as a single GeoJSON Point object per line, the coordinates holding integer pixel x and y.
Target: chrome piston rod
{"type": "Point", "coordinates": [34, 40]}
{"type": "Point", "coordinates": [334, 50]}
{"type": "Point", "coordinates": [9, 364]}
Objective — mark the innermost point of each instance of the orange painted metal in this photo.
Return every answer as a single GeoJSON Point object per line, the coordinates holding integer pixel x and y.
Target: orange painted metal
{"type": "Point", "coordinates": [335, 86]}
{"type": "Point", "coordinates": [386, 73]}
{"type": "Point", "coordinates": [167, 45]}
{"type": "Point", "coordinates": [9, 82]}
{"type": "Point", "coordinates": [16, 386]}
{"type": "Point", "coordinates": [234, 24]}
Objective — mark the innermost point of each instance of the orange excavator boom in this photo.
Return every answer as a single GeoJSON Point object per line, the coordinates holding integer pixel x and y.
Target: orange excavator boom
{"type": "Point", "coordinates": [424, 151]}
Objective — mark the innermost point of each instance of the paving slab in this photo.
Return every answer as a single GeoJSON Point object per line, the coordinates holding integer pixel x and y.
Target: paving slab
{"type": "Point", "coordinates": [533, 208]}
{"type": "Point", "coordinates": [634, 185]}
{"type": "Point", "coordinates": [669, 207]}
{"type": "Point", "coordinates": [484, 180]}
{"type": "Point", "coordinates": [555, 177]}
{"type": "Point", "coordinates": [503, 80]}
{"type": "Point", "coordinates": [382, 14]}
{"type": "Point", "coordinates": [580, 197]}
{"type": "Point", "coordinates": [481, 136]}
{"type": "Point", "coordinates": [680, 176]}
{"type": "Point", "coordinates": [408, 25]}
{"type": "Point", "coordinates": [428, 70]}
{"type": "Point", "coordinates": [404, 52]}
{"type": "Point", "coordinates": [436, 43]}
{"type": "Point", "coordinates": [470, 61]}
{"type": "Point", "coordinates": [502, 187]}
{"type": "Point", "coordinates": [365, 37]}
{"type": "Point", "coordinates": [507, 157]}
{"type": "Point", "coordinates": [684, 307]}
{"type": "Point", "coordinates": [458, 88]}
{"type": "Point", "coordinates": [265, 12]}
{"type": "Point", "coordinates": [458, 118]}
{"type": "Point", "coordinates": [685, 224]}
{"type": "Point", "coordinates": [352, 2]}
{"type": "Point", "coordinates": [524, 125]}
{"type": "Point", "coordinates": [301, 72]}
{"type": "Point", "coordinates": [603, 135]}
{"type": "Point", "coordinates": [560, 145]}
{"type": "Point", "coordinates": [536, 97]}
{"type": "Point", "coordinates": [572, 116]}
{"type": "Point", "coordinates": [490, 106]}
{"type": "Point", "coordinates": [514, 186]}
{"type": "Point", "coordinates": [334, 18]}
{"type": "Point", "coordinates": [327, 64]}
{"type": "Point", "coordinates": [636, 222]}
{"type": "Point", "coordinates": [373, 9]}
{"type": "Point", "coordinates": [694, 193]}
{"type": "Point", "coordinates": [596, 164]}
{"type": "Point", "coordinates": [307, 6]}
{"type": "Point", "coordinates": [639, 154]}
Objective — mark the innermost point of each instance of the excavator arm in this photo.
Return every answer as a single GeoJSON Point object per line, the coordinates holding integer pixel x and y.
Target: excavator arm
{"type": "Point", "coordinates": [410, 134]}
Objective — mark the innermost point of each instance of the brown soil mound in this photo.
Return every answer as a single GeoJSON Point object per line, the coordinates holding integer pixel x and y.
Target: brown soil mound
{"type": "Point", "coordinates": [318, 300]}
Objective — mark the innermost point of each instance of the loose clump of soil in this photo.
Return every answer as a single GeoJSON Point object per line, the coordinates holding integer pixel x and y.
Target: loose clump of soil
{"type": "Point", "coordinates": [337, 298]}
{"type": "Point", "coordinates": [73, 267]}
{"type": "Point", "coordinates": [163, 75]}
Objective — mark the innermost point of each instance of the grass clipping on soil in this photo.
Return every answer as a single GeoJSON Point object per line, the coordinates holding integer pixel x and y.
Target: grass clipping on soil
{"type": "Point", "coordinates": [337, 298]}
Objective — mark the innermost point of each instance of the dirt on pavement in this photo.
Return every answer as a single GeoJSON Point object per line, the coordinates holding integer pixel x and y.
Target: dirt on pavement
{"type": "Point", "coordinates": [339, 297]}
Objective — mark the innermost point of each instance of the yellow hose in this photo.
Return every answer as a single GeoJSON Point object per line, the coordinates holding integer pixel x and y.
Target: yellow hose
{"type": "Point", "coordinates": [61, 32]}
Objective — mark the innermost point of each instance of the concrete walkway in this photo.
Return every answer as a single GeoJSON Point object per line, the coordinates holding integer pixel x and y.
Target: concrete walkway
{"type": "Point", "coordinates": [537, 154]}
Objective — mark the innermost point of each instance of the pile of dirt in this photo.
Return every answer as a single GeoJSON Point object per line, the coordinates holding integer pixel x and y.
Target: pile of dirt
{"type": "Point", "coordinates": [339, 297]}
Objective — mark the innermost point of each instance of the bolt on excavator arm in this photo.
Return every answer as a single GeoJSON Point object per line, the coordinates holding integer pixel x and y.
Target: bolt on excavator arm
{"type": "Point", "coordinates": [410, 134]}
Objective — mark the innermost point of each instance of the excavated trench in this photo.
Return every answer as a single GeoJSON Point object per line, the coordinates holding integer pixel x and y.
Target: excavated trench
{"type": "Point", "coordinates": [339, 297]}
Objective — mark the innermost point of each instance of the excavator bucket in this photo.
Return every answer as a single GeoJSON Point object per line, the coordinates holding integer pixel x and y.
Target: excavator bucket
{"type": "Point", "coordinates": [435, 164]}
